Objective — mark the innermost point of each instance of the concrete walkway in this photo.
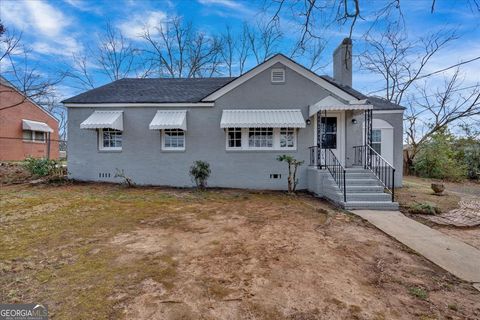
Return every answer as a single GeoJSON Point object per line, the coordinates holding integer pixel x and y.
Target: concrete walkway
{"type": "Point", "coordinates": [455, 256]}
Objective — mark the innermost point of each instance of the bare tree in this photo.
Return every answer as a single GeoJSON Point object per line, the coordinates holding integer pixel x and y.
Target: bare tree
{"type": "Point", "coordinates": [263, 39]}
{"type": "Point", "coordinates": [243, 49]}
{"type": "Point", "coordinates": [432, 112]}
{"type": "Point", "coordinates": [399, 61]}
{"type": "Point", "coordinates": [313, 16]}
{"type": "Point", "coordinates": [228, 52]}
{"type": "Point", "coordinates": [113, 56]}
{"type": "Point", "coordinates": [179, 51]}
{"type": "Point", "coordinates": [311, 52]}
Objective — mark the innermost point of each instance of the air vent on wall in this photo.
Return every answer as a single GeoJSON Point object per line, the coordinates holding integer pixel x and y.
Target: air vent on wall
{"type": "Point", "coordinates": [275, 176]}
{"type": "Point", "coordinates": [278, 75]}
{"type": "Point", "coordinates": [104, 175]}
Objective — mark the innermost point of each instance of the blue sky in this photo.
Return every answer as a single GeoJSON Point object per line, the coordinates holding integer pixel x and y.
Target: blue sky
{"type": "Point", "coordinates": [55, 29]}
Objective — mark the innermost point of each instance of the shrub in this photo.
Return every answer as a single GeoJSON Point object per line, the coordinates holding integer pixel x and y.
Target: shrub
{"type": "Point", "coordinates": [41, 167]}
{"type": "Point", "coordinates": [438, 159]}
{"type": "Point", "coordinates": [293, 165]}
{"type": "Point", "coordinates": [418, 292]}
{"type": "Point", "coordinates": [424, 208]}
{"type": "Point", "coordinates": [126, 180]}
{"type": "Point", "coordinates": [200, 171]}
{"type": "Point", "coordinates": [468, 153]}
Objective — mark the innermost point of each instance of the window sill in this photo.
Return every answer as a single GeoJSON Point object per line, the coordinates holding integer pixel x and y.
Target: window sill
{"type": "Point", "coordinates": [174, 150]}
{"type": "Point", "coordinates": [32, 141]}
{"type": "Point", "coordinates": [109, 151]}
{"type": "Point", "coordinates": [260, 150]}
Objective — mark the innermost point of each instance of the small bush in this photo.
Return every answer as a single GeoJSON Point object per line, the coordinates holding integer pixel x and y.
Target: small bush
{"type": "Point", "coordinates": [41, 167]}
{"type": "Point", "coordinates": [424, 208]}
{"type": "Point", "coordinates": [418, 293]}
{"type": "Point", "coordinates": [438, 159]}
{"type": "Point", "coordinates": [200, 171]}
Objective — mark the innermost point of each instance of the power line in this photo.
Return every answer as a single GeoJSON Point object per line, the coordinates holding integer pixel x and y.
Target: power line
{"type": "Point", "coordinates": [410, 99]}
{"type": "Point", "coordinates": [434, 72]}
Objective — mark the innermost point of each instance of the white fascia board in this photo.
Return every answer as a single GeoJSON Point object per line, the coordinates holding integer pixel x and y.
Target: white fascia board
{"type": "Point", "coordinates": [288, 63]}
{"type": "Point", "coordinates": [388, 111]}
{"type": "Point", "coordinates": [153, 105]}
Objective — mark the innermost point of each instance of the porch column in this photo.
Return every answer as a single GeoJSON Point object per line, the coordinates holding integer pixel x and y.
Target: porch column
{"type": "Point", "coordinates": [368, 136]}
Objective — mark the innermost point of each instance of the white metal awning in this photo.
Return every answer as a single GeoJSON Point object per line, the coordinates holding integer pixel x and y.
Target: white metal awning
{"type": "Point", "coordinates": [330, 103]}
{"type": "Point", "coordinates": [35, 126]}
{"type": "Point", "coordinates": [262, 118]}
{"type": "Point", "coordinates": [104, 120]}
{"type": "Point", "coordinates": [169, 119]}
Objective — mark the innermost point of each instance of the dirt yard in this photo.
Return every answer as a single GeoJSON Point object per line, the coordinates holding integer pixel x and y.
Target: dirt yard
{"type": "Point", "coordinates": [93, 251]}
{"type": "Point", "coordinates": [459, 206]}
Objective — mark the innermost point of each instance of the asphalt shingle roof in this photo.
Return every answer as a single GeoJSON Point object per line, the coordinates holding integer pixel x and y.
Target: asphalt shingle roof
{"type": "Point", "coordinates": [154, 90]}
{"type": "Point", "coordinates": [164, 90]}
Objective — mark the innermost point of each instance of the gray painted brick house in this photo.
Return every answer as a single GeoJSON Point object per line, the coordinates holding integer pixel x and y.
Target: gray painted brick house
{"type": "Point", "coordinates": [153, 130]}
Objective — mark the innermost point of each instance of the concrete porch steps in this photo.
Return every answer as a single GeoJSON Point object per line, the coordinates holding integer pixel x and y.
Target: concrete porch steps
{"type": "Point", "coordinates": [364, 191]}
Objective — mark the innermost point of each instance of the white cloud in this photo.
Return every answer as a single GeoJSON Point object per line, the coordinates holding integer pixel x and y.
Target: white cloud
{"type": "Point", "coordinates": [65, 46]}
{"type": "Point", "coordinates": [43, 25]}
{"type": "Point", "coordinates": [36, 16]}
{"type": "Point", "coordinates": [231, 8]}
{"type": "Point", "coordinates": [136, 25]}
{"type": "Point", "coordinates": [85, 6]}
{"type": "Point", "coordinates": [224, 3]}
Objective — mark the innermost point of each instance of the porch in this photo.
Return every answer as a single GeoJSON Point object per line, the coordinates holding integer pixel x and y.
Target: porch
{"type": "Point", "coordinates": [347, 162]}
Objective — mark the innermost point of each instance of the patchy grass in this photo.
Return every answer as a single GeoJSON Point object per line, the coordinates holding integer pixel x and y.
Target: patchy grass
{"type": "Point", "coordinates": [424, 208]}
{"type": "Point", "coordinates": [417, 192]}
{"type": "Point", "coordinates": [418, 292]}
{"type": "Point", "coordinates": [110, 252]}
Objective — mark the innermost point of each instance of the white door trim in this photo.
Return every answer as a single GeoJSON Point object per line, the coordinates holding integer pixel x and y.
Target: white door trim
{"type": "Point", "coordinates": [340, 151]}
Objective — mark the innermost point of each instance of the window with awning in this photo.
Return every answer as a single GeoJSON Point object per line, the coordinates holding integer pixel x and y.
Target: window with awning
{"type": "Point", "coordinates": [256, 118]}
{"type": "Point", "coordinates": [31, 125]}
{"type": "Point", "coordinates": [104, 120]}
{"type": "Point", "coordinates": [262, 129]}
{"type": "Point", "coordinates": [169, 119]}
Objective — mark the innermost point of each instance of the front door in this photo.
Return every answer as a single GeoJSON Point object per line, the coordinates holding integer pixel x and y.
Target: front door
{"type": "Point", "coordinates": [331, 131]}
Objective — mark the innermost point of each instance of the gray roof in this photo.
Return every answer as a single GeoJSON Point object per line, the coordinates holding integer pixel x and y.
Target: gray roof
{"type": "Point", "coordinates": [165, 90]}
{"type": "Point", "coordinates": [378, 103]}
{"type": "Point", "coordinates": [154, 90]}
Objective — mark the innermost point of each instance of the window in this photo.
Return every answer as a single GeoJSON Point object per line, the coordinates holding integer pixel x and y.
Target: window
{"type": "Point", "coordinates": [377, 140]}
{"type": "Point", "coordinates": [173, 139]}
{"type": "Point", "coordinates": [110, 139]}
{"type": "Point", "coordinates": [260, 138]}
{"type": "Point", "coordinates": [329, 133]}
{"type": "Point", "coordinates": [287, 138]}
{"type": "Point", "coordinates": [278, 75]}
{"type": "Point", "coordinates": [34, 136]}
{"type": "Point", "coordinates": [39, 136]}
{"type": "Point", "coordinates": [234, 137]}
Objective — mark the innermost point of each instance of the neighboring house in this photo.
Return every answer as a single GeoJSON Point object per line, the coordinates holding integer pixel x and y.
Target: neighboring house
{"type": "Point", "coordinates": [26, 129]}
{"type": "Point", "coordinates": [153, 130]}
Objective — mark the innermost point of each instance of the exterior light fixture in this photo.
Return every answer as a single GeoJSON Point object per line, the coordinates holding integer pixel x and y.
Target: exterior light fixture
{"type": "Point", "coordinates": [354, 121]}
{"type": "Point", "coordinates": [308, 122]}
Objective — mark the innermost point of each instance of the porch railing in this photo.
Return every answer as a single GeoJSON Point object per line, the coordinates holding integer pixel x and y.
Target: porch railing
{"type": "Point", "coordinates": [368, 158]}
{"type": "Point", "coordinates": [333, 165]}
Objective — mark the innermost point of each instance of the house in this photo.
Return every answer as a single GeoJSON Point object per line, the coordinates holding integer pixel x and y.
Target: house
{"type": "Point", "coordinates": [26, 129]}
{"type": "Point", "coordinates": [153, 130]}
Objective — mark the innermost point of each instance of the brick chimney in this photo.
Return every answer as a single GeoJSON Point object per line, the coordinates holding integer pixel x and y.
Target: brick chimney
{"type": "Point", "coordinates": [342, 63]}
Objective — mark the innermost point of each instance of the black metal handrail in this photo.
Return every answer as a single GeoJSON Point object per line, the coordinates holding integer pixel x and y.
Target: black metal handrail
{"type": "Point", "coordinates": [337, 171]}
{"type": "Point", "coordinates": [367, 157]}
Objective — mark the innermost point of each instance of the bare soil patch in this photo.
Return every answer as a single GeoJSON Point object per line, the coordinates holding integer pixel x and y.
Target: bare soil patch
{"type": "Point", "coordinates": [156, 253]}
{"type": "Point", "coordinates": [13, 173]}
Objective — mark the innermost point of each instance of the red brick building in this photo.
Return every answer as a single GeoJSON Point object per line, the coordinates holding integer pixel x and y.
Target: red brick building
{"type": "Point", "coordinates": [26, 129]}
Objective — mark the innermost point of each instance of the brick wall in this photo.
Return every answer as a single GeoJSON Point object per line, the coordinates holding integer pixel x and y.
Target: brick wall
{"type": "Point", "coordinates": [12, 146]}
